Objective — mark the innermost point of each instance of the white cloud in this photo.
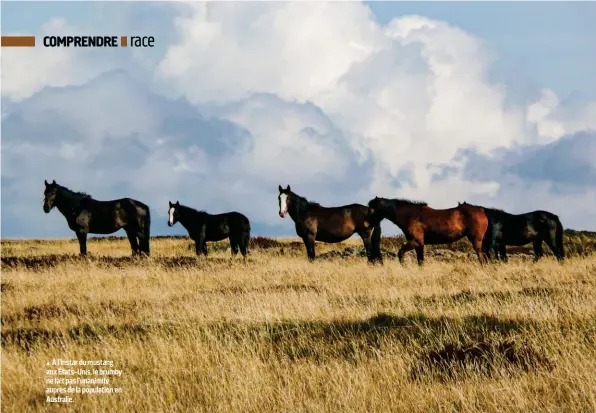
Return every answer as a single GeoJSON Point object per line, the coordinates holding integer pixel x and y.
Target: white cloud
{"type": "Point", "coordinates": [553, 120]}
{"type": "Point", "coordinates": [28, 70]}
{"type": "Point", "coordinates": [410, 94]}
{"type": "Point", "coordinates": [228, 50]}
{"type": "Point", "coordinates": [315, 95]}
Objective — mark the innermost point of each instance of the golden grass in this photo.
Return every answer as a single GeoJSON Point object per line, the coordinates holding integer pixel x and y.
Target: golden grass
{"type": "Point", "coordinates": [282, 334]}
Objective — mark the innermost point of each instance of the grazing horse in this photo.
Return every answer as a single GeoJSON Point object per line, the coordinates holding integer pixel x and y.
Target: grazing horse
{"type": "Point", "coordinates": [510, 229]}
{"type": "Point", "coordinates": [329, 224]}
{"type": "Point", "coordinates": [423, 225]}
{"type": "Point", "coordinates": [203, 227]}
{"type": "Point", "coordinates": [86, 215]}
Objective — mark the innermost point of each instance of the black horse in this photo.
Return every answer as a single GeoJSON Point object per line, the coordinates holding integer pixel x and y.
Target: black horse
{"type": "Point", "coordinates": [203, 227]}
{"type": "Point", "coordinates": [510, 229]}
{"type": "Point", "coordinates": [330, 224]}
{"type": "Point", "coordinates": [86, 215]}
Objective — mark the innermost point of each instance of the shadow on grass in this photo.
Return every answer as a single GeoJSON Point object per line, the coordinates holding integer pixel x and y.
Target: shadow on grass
{"type": "Point", "coordinates": [350, 341]}
{"type": "Point", "coordinates": [44, 262]}
{"type": "Point", "coordinates": [467, 296]}
{"type": "Point", "coordinates": [488, 357]}
{"type": "Point", "coordinates": [40, 312]}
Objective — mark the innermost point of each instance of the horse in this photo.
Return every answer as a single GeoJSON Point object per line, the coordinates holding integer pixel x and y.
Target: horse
{"type": "Point", "coordinates": [521, 229]}
{"type": "Point", "coordinates": [203, 227]}
{"type": "Point", "coordinates": [86, 215]}
{"type": "Point", "coordinates": [423, 225]}
{"type": "Point", "coordinates": [329, 224]}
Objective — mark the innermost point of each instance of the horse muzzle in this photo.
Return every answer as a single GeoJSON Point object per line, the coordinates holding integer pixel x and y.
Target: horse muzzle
{"type": "Point", "coordinates": [47, 209]}
{"type": "Point", "coordinates": [170, 224]}
{"type": "Point", "coordinates": [282, 214]}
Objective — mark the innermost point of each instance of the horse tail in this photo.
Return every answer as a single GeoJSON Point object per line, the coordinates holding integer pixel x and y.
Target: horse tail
{"type": "Point", "coordinates": [146, 230]}
{"type": "Point", "coordinates": [245, 237]}
{"type": "Point", "coordinates": [559, 239]}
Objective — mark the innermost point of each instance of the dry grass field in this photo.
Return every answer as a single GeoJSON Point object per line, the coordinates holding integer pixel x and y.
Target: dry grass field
{"type": "Point", "coordinates": [283, 335]}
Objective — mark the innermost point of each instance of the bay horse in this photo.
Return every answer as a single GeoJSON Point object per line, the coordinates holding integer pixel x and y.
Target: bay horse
{"type": "Point", "coordinates": [521, 229]}
{"type": "Point", "coordinates": [423, 225]}
{"type": "Point", "coordinates": [203, 227]}
{"type": "Point", "coordinates": [86, 215]}
{"type": "Point", "coordinates": [329, 224]}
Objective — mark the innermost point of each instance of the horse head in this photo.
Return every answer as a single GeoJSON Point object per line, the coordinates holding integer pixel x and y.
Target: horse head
{"type": "Point", "coordinates": [49, 195]}
{"type": "Point", "coordinates": [285, 200]}
{"type": "Point", "coordinates": [173, 213]}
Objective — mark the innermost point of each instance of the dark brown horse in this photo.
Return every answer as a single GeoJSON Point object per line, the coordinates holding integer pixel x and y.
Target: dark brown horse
{"type": "Point", "coordinates": [329, 224]}
{"type": "Point", "coordinates": [423, 225]}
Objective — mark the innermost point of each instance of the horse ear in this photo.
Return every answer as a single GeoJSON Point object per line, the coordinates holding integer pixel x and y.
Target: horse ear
{"type": "Point", "coordinates": [288, 188]}
{"type": "Point", "coordinates": [177, 202]}
{"type": "Point", "coordinates": [170, 203]}
{"type": "Point", "coordinates": [54, 182]}
{"type": "Point", "coordinates": [46, 182]}
{"type": "Point", "coordinates": [280, 188]}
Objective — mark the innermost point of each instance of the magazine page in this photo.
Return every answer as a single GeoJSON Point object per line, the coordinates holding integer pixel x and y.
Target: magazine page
{"type": "Point", "coordinates": [298, 206]}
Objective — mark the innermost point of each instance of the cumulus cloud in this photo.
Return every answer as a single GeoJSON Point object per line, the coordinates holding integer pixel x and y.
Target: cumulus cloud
{"type": "Point", "coordinates": [220, 157]}
{"type": "Point", "coordinates": [26, 71]}
{"type": "Point", "coordinates": [559, 176]}
{"type": "Point", "coordinates": [228, 50]}
{"type": "Point", "coordinates": [410, 93]}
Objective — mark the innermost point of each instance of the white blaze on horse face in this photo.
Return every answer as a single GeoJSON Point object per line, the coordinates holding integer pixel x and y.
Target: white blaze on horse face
{"type": "Point", "coordinates": [171, 216]}
{"type": "Point", "coordinates": [283, 205]}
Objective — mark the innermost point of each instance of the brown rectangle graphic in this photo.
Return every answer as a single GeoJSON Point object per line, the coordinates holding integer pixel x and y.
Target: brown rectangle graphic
{"type": "Point", "coordinates": [18, 41]}
{"type": "Point", "coordinates": [123, 41]}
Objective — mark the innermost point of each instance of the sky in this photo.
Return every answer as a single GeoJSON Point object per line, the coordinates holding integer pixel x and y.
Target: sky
{"type": "Point", "coordinates": [489, 102]}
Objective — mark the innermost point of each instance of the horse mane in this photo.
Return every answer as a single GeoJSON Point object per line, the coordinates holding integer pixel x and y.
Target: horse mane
{"type": "Point", "coordinates": [409, 201]}
{"type": "Point", "coordinates": [188, 208]}
{"type": "Point", "coordinates": [193, 210]}
{"type": "Point", "coordinates": [75, 193]}
{"type": "Point", "coordinates": [395, 202]}
{"type": "Point", "coordinates": [490, 209]}
{"type": "Point", "coordinates": [305, 202]}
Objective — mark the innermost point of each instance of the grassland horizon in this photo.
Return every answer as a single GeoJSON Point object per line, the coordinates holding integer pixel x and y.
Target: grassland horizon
{"type": "Point", "coordinates": [283, 334]}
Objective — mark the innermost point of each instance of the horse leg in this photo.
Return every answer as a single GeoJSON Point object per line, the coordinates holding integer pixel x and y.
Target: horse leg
{"type": "Point", "coordinates": [200, 247]}
{"type": "Point", "coordinates": [82, 237]}
{"type": "Point", "coordinates": [234, 246]}
{"type": "Point", "coordinates": [550, 241]}
{"type": "Point", "coordinates": [490, 251]}
{"type": "Point", "coordinates": [375, 241]}
{"type": "Point", "coordinates": [420, 254]}
{"type": "Point", "coordinates": [244, 240]}
{"type": "Point", "coordinates": [408, 246]}
{"type": "Point", "coordinates": [143, 242]}
{"type": "Point", "coordinates": [309, 243]}
{"type": "Point", "coordinates": [503, 252]}
{"type": "Point", "coordinates": [132, 238]}
{"type": "Point", "coordinates": [537, 249]}
{"type": "Point", "coordinates": [477, 245]}
{"type": "Point", "coordinates": [368, 248]}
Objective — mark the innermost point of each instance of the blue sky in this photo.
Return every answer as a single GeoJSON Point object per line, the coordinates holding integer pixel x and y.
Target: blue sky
{"type": "Point", "coordinates": [541, 44]}
{"type": "Point", "coordinates": [427, 100]}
